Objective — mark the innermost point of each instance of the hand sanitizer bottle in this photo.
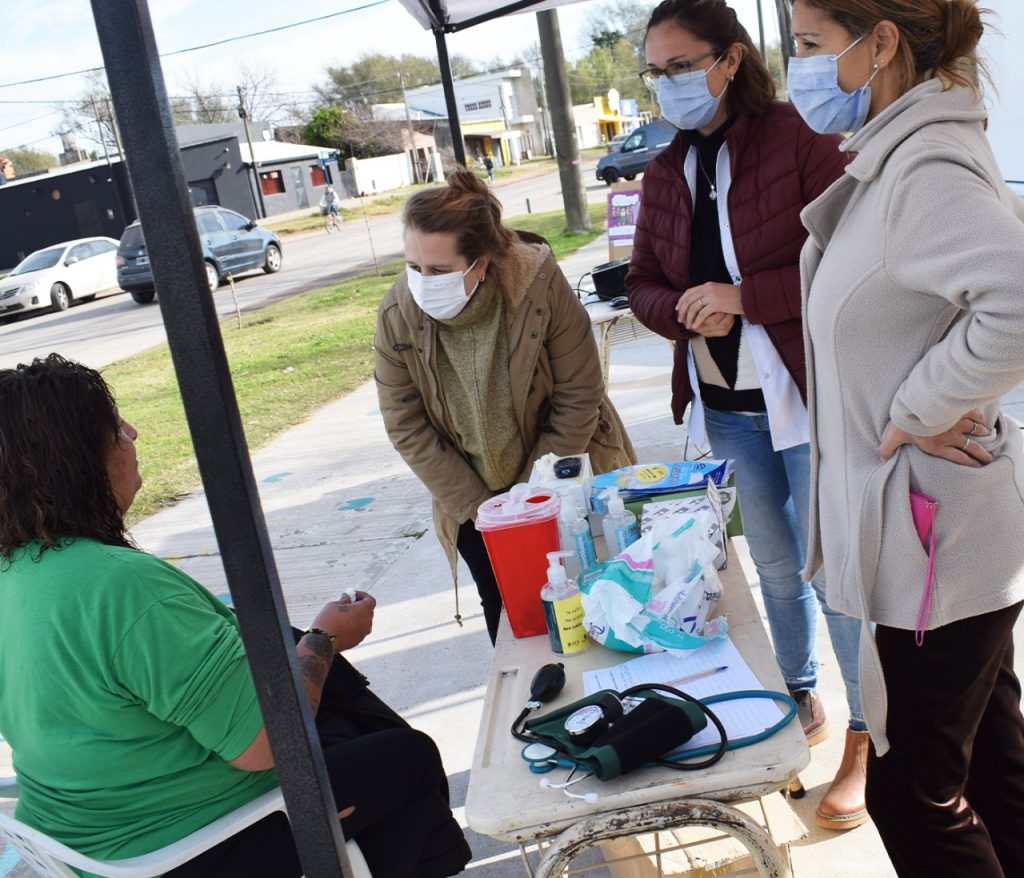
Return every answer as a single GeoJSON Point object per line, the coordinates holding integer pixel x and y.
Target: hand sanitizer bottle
{"type": "Point", "coordinates": [562, 609]}
{"type": "Point", "coordinates": [574, 536]}
{"type": "Point", "coordinates": [620, 527]}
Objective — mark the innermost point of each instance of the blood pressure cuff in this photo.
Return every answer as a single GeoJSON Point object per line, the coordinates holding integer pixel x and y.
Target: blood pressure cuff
{"type": "Point", "coordinates": [658, 724]}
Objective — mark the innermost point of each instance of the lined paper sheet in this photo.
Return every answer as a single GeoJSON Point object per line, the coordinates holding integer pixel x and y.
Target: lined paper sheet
{"type": "Point", "coordinates": [740, 718]}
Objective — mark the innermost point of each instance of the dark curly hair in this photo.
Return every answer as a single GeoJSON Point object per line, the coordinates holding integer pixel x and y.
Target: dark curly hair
{"type": "Point", "coordinates": [57, 426]}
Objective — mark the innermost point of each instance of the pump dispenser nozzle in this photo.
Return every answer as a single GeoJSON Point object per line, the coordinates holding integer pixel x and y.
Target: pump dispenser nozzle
{"type": "Point", "coordinates": [556, 572]}
{"type": "Point", "coordinates": [616, 506]}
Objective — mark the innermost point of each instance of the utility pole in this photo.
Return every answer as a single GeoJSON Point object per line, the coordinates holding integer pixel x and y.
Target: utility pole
{"type": "Point", "coordinates": [113, 127]}
{"type": "Point", "coordinates": [760, 31]}
{"type": "Point", "coordinates": [567, 151]}
{"type": "Point", "coordinates": [545, 116]}
{"type": "Point", "coordinates": [785, 28]}
{"type": "Point", "coordinates": [243, 114]}
{"type": "Point", "coordinates": [412, 136]}
{"type": "Point", "coordinates": [99, 128]}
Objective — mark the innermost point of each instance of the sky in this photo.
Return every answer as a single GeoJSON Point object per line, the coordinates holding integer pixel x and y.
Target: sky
{"type": "Point", "coordinates": [42, 38]}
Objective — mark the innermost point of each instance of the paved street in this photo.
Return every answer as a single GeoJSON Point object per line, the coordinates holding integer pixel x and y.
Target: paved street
{"type": "Point", "coordinates": [343, 510]}
{"type": "Point", "coordinates": [113, 327]}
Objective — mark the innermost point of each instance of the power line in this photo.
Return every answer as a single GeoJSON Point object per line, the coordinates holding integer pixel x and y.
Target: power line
{"type": "Point", "coordinates": [226, 40]}
{"type": "Point", "coordinates": [29, 121]}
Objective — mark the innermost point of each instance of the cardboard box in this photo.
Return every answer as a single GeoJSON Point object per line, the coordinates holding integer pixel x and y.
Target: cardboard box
{"type": "Point", "coordinates": [727, 492]}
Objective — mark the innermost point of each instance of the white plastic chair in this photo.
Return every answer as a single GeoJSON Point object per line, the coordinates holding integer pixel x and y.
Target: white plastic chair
{"type": "Point", "coordinates": [51, 859]}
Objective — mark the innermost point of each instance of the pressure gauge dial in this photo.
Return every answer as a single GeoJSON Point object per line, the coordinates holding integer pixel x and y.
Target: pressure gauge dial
{"type": "Point", "coordinates": [588, 723]}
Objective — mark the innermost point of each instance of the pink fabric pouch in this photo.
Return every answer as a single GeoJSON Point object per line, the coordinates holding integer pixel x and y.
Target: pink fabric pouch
{"type": "Point", "coordinates": [923, 509]}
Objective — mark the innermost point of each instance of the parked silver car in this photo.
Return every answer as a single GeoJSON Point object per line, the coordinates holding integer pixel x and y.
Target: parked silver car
{"type": "Point", "coordinates": [57, 276]}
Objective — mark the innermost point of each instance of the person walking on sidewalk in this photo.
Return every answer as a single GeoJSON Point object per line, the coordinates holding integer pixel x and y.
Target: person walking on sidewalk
{"type": "Point", "coordinates": [489, 167]}
{"type": "Point", "coordinates": [915, 320]}
{"type": "Point", "coordinates": [485, 361]}
{"type": "Point", "coordinates": [715, 269]}
{"type": "Point", "coordinates": [134, 721]}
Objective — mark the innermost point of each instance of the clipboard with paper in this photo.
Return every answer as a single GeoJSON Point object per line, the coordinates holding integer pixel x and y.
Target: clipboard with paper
{"type": "Point", "coordinates": [741, 718]}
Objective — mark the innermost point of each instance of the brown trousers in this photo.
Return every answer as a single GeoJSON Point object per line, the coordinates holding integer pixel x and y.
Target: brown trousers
{"type": "Point", "coordinates": [948, 798]}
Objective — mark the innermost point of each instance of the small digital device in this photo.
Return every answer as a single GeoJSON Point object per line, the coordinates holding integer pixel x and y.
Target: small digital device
{"type": "Point", "coordinates": [619, 302]}
{"type": "Point", "coordinates": [567, 467]}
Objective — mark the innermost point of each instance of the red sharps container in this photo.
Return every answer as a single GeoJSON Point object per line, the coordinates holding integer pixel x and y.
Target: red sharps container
{"type": "Point", "coordinates": [519, 529]}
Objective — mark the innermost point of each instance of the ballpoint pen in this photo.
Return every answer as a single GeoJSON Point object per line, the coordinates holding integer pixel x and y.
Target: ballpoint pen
{"type": "Point", "coordinates": [699, 675]}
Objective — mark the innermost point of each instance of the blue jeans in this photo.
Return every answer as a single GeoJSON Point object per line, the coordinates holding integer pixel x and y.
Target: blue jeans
{"type": "Point", "coordinates": [774, 490]}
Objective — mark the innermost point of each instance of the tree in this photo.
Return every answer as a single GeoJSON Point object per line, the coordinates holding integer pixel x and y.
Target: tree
{"type": "Point", "coordinates": [620, 19]}
{"type": "Point", "coordinates": [375, 78]}
{"type": "Point", "coordinates": [90, 115]}
{"type": "Point", "coordinates": [352, 132]}
{"type": "Point", "coordinates": [262, 99]}
{"type": "Point", "coordinates": [203, 103]}
{"type": "Point", "coordinates": [28, 161]}
{"type": "Point", "coordinates": [604, 68]}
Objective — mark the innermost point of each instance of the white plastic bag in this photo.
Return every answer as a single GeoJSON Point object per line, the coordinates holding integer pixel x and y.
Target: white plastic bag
{"type": "Point", "coordinates": [658, 593]}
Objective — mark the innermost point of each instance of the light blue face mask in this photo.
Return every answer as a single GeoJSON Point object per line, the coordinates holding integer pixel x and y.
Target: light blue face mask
{"type": "Point", "coordinates": [815, 92]}
{"type": "Point", "coordinates": [685, 99]}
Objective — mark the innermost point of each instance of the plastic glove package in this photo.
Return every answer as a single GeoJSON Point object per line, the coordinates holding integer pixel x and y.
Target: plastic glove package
{"type": "Point", "coordinates": [658, 593]}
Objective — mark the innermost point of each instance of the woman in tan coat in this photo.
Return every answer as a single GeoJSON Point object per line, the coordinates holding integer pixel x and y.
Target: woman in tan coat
{"type": "Point", "coordinates": [485, 361]}
{"type": "Point", "coordinates": [914, 331]}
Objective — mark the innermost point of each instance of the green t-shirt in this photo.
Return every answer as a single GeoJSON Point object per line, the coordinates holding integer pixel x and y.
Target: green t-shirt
{"type": "Point", "coordinates": [124, 691]}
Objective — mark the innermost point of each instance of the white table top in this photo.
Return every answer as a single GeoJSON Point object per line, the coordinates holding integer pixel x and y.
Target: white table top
{"type": "Point", "coordinates": [601, 312]}
{"type": "Point", "coordinates": [505, 799]}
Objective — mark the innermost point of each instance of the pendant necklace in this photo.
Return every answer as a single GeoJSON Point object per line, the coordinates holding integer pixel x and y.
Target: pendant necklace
{"type": "Point", "coordinates": [711, 183]}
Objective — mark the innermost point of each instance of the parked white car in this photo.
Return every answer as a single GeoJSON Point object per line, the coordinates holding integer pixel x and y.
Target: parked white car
{"type": "Point", "coordinates": [60, 275]}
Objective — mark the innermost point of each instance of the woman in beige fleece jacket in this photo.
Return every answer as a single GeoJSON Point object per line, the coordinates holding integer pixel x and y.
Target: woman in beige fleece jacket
{"type": "Point", "coordinates": [485, 361]}
{"type": "Point", "coordinates": [914, 325]}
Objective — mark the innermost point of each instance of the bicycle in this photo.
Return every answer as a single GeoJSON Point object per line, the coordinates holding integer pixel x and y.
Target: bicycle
{"type": "Point", "coordinates": [332, 221]}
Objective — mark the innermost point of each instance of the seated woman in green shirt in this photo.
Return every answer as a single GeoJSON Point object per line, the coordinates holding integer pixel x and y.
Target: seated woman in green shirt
{"type": "Point", "coordinates": [125, 694]}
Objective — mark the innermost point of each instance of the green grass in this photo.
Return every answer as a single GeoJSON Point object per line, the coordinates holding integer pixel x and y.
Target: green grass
{"type": "Point", "coordinates": [287, 360]}
{"type": "Point", "coordinates": [381, 205]}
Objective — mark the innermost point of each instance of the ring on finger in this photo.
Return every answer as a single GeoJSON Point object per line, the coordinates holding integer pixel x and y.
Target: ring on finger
{"type": "Point", "coordinates": [974, 427]}
{"type": "Point", "coordinates": [967, 441]}
{"type": "Point", "coordinates": [700, 302]}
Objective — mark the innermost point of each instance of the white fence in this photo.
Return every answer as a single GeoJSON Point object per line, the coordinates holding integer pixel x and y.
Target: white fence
{"type": "Point", "coordinates": [380, 173]}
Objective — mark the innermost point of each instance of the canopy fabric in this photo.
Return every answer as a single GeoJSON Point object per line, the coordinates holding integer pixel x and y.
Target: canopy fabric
{"type": "Point", "coordinates": [457, 14]}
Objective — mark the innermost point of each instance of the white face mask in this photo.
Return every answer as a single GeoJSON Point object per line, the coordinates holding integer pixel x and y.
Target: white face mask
{"type": "Point", "coordinates": [442, 296]}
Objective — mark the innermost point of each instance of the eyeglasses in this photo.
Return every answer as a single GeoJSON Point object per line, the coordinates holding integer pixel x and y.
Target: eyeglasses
{"type": "Point", "coordinates": [652, 74]}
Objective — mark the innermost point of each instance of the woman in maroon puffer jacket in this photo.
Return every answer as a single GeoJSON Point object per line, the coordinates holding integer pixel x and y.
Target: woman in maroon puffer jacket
{"type": "Point", "coordinates": [715, 269]}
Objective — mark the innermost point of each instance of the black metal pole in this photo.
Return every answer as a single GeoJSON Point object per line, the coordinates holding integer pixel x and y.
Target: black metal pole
{"type": "Point", "coordinates": [193, 332]}
{"type": "Point", "coordinates": [448, 84]}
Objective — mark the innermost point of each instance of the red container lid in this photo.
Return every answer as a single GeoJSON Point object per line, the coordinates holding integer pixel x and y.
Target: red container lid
{"type": "Point", "coordinates": [522, 505]}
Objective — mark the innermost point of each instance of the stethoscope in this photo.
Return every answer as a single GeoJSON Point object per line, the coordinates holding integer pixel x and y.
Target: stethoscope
{"type": "Point", "coordinates": [541, 759]}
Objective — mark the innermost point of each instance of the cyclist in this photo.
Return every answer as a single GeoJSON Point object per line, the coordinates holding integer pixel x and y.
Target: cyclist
{"type": "Point", "coordinates": [330, 204]}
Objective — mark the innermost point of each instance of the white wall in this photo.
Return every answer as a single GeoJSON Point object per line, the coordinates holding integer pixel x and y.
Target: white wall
{"type": "Point", "coordinates": [1006, 63]}
{"type": "Point", "coordinates": [381, 173]}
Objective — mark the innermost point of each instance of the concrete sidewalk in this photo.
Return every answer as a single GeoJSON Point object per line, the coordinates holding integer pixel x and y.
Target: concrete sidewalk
{"type": "Point", "coordinates": [344, 511]}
